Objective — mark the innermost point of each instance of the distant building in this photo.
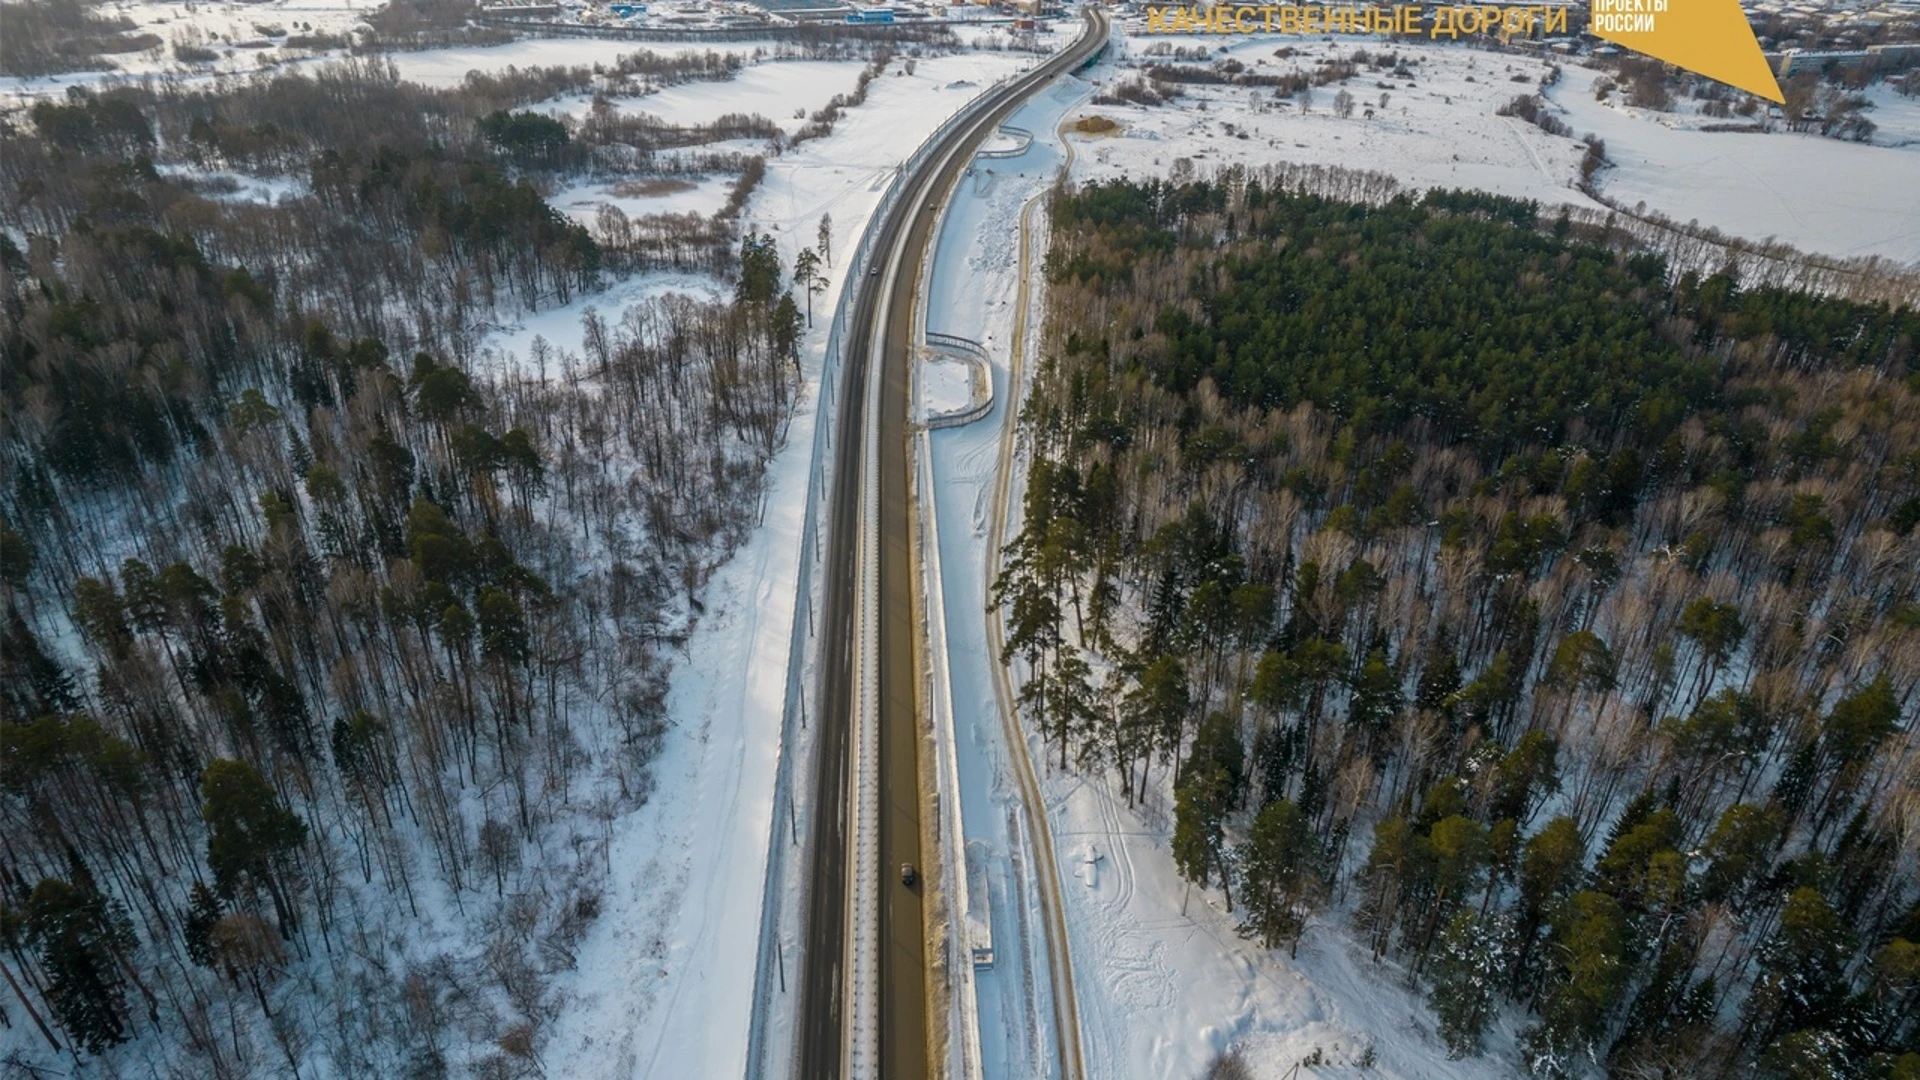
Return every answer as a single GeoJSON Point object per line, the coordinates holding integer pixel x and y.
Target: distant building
{"type": "Point", "coordinates": [871, 15]}
{"type": "Point", "coordinates": [1793, 61]}
{"type": "Point", "coordinates": [804, 11]}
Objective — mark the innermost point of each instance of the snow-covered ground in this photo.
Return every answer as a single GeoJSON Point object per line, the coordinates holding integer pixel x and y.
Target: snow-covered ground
{"type": "Point", "coordinates": [1896, 117]}
{"type": "Point", "coordinates": [239, 187]}
{"type": "Point", "coordinates": [238, 38]}
{"type": "Point", "coordinates": [701, 195]}
{"type": "Point", "coordinates": [1439, 129]}
{"type": "Point", "coordinates": [449, 67]}
{"type": "Point", "coordinates": [945, 386]}
{"type": "Point", "coordinates": [1818, 194]}
{"type": "Point", "coordinates": [786, 92]}
{"type": "Point", "coordinates": [509, 347]}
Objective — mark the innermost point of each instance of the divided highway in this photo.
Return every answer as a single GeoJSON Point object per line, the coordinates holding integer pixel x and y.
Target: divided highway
{"type": "Point", "coordinates": [871, 626]}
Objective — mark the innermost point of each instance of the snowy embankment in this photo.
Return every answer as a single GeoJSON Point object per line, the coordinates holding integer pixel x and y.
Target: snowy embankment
{"type": "Point", "coordinates": [666, 976]}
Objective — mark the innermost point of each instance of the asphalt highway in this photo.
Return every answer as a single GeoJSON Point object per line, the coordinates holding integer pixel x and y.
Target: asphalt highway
{"type": "Point", "coordinates": [904, 1053]}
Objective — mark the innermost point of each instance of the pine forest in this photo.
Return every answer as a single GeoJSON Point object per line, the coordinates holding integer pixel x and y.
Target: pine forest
{"type": "Point", "coordinates": [1542, 617]}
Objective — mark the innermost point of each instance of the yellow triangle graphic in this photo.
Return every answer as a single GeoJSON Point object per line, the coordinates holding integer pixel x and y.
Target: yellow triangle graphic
{"type": "Point", "coordinates": [1706, 37]}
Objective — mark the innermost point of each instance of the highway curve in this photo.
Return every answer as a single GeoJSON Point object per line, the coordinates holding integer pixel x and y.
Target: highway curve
{"type": "Point", "coordinates": [902, 954]}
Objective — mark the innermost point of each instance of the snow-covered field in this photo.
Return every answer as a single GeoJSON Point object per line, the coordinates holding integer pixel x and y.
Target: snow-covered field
{"type": "Point", "coordinates": [1439, 129]}
{"type": "Point", "coordinates": [449, 67]}
{"type": "Point", "coordinates": [238, 38]}
{"type": "Point", "coordinates": [1818, 194]}
{"type": "Point", "coordinates": [701, 195]}
{"type": "Point", "coordinates": [1896, 117]}
{"type": "Point", "coordinates": [786, 92]}
{"type": "Point", "coordinates": [1435, 130]}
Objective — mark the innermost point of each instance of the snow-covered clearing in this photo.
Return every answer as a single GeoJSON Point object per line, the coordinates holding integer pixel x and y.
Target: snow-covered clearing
{"type": "Point", "coordinates": [665, 982]}
{"type": "Point", "coordinates": [701, 195]}
{"type": "Point", "coordinates": [775, 91]}
{"type": "Point", "coordinates": [511, 347]}
{"type": "Point", "coordinates": [1438, 129]}
{"type": "Point", "coordinates": [786, 92]}
{"type": "Point", "coordinates": [237, 38]}
{"type": "Point", "coordinates": [1896, 117]}
{"type": "Point", "coordinates": [449, 67]}
{"type": "Point", "coordinates": [239, 187]}
{"type": "Point", "coordinates": [1818, 194]}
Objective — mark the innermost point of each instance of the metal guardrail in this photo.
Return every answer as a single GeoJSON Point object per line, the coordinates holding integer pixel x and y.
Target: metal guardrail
{"type": "Point", "coordinates": [1020, 133]}
{"type": "Point", "coordinates": [980, 370]}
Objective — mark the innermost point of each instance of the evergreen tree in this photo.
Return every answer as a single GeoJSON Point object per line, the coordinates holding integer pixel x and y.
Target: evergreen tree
{"type": "Point", "coordinates": [1588, 970]}
{"type": "Point", "coordinates": [1281, 871]}
{"type": "Point", "coordinates": [1376, 697]}
{"type": "Point", "coordinates": [1157, 709]}
{"type": "Point", "coordinates": [250, 835]}
{"type": "Point", "coordinates": [1207, 787]}
{"type": "Point", "coordinates": [806, 274]}
{"type": "Point", "coordinates": [203, 911]}
{"type": "Point", "coordinates": [81, 938]}
{"type": "Point", "coordinates": [1467, 968]}
{"type": "Point", "coordinates": [1802, 982]}
{"type": "Point", "coordinates": [760, 270]}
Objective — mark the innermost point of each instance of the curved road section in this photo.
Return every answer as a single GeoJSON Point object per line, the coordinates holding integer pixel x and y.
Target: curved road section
{"type": "Point", "coordinates": [864, 1006]}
